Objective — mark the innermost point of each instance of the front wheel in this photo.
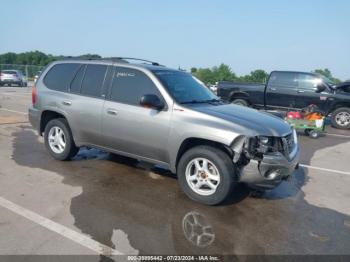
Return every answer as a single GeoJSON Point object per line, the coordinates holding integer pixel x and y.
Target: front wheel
{"type": "Point", "coordinates": [59, 140]}
{"type": "Point", "coordinates": [206, 175]}
{"type": "Point", "coordinates": [341, 118]}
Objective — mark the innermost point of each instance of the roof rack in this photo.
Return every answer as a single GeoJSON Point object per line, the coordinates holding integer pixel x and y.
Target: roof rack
{"type": "Point", "coordinates": [114, 59]}
{"type": "Point", "coordinates": [124, 59]}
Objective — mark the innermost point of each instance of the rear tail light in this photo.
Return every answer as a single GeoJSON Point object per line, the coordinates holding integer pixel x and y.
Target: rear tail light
{"type": "Point", "coordinates": [33, 95]}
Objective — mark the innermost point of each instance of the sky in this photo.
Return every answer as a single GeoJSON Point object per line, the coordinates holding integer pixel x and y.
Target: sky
{"type": "Point", "coordinates": [247, 35]}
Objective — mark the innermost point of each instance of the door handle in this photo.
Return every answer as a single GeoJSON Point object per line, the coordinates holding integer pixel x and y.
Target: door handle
{"type": "Point", "coordinates": [66, 103]}
{"type": "Point", "coordinates": [112, 111]}
{"type": "Point", "coordinates": [300, 91]}
{"type": "Point", "coordinates": [272, 88]}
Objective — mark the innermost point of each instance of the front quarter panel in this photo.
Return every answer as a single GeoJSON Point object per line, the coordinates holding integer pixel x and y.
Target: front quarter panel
{"type": "Point", "coordinates": [188, 123]}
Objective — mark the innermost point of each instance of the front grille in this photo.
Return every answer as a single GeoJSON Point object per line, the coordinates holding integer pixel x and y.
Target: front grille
{"type": "Point", "coordinates": [288, 144]}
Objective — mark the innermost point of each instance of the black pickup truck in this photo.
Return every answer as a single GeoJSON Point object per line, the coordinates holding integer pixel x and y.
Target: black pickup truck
{"type": "Point", "coordinates": [287, 90]}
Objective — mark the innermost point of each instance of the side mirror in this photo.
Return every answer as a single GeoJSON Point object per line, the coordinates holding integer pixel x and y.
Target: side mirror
{"type": "Point", "coordinates": [320, 87]}
{"type": "Point", "coordinates": [151, 101]}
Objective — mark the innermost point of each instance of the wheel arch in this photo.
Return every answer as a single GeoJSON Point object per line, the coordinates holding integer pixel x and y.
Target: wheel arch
{"type": "Point", "coordinates": [47, 116]}
{"type": "Point", "coordinates": [239, 95]}
{"type": "Point", "coordinates": [191, 142]}
{"type": "Point", "coordinates": [339, 105]}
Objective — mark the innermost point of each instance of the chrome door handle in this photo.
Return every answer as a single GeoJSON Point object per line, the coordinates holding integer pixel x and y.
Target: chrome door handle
{"type": "Point", "coordinates": [66, 103]}
{"type": "Point", "coordinates": [272, 89]}
{"type": "Point", "coordinates": [112, 111]}
{"type": "Point", "coordinates": [301, 91]}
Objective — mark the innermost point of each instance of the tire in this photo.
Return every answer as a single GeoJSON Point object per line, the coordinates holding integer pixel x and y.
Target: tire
{"type": "Point", "coordinates": [219, 163]}
{"type": "Point", "coordinates": [69, 149]}
{"type": "Point", "coordinates": [21, 84]}
{"type": "Point", "coordinates": [341, 118]}
{"type": "Point", "coordinates": [240, 102]}
{"type": "Point", "coordinates": [314, 134]}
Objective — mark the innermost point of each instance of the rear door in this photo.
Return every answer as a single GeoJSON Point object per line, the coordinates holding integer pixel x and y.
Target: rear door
{"type": "Point", "coordinates": [130, 128]}
{"type": "Point", "coordinates": [307, 94]}
{"type": "Point", "coordinates": [281, 90]}
{"type": "Point", "coordinates": [85, 103]}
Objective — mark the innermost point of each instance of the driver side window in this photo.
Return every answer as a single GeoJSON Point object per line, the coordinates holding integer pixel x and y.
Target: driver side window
{"type": "Point", "coordinates": [307, 82]}
{"type": "Point", "coordinates": [129, 85]}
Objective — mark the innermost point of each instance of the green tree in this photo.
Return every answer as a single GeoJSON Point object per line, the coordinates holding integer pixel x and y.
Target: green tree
{"type": "Point", "coordinates": [258, 76]}
{"type": "Point", "coordinates": [223, 73]}
{"type": "Point", "coordinates": [205, 75]}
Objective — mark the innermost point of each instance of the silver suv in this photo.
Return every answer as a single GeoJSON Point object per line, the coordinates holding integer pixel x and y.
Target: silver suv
{"type": "Point", "coordinates": [167, 117]}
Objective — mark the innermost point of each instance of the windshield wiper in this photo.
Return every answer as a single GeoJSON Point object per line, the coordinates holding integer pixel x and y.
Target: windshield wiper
{"type": "Point", "coordinates": [201, 101]}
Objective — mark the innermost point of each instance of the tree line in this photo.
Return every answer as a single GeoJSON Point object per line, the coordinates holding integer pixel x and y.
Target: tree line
{"type": "Point", "coordinates": [37, 58]}
{"type": "Point", "coordinates": [207, 75]}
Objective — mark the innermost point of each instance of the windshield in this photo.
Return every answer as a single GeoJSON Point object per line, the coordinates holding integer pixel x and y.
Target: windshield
{"type": "Point", "coordinates": [184, 88]}
{"type": "Point", "coordinates": [327, 80]}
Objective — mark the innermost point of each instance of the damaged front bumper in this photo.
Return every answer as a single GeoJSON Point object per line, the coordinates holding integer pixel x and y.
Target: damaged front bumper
{"type": "Point", "coordinates": [270, 171]}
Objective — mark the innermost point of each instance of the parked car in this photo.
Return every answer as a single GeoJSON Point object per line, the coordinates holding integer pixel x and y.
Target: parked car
{"type": "Point", "coordinates": [12, 77]}
{"type": "Point", "coordinates": [293, 90]}
{"type": "Point", "coordinates": [163, 116]}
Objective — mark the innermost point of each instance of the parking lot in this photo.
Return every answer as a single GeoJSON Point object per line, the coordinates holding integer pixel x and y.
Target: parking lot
{"type": "Point", "coordinates": [103, 204]}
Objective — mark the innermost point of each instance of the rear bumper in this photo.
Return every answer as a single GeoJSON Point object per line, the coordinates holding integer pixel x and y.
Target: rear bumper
{"type": "Point", "coordinates": [270, 171]}
{"type": "Point", "coordinates": [34, 118]}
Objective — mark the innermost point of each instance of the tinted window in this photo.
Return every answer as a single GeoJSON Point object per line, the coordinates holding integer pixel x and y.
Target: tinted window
{"type": "Point", "coordinates": [283, 80]}
{"type": "Point", "coordinates": [308, 81]}
{"type": "Point", "coordinates": [9, 72]}
{"type": "Point", "coordinates": [129, 85]}
{"type": "Point", "coordinates": [183, 87]}
{"type": "Point", "coordinates": [60, 75]}
{"type": "Point", "coordinates": [76, 83]}
{"type": "Point", "coordinates": [93, 80]}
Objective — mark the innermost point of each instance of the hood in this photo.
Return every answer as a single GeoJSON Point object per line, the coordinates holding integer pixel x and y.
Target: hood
{"type": "Point", "coordinates": [258, 123]}
{"type": "Point", "coordinates": [345, 86]}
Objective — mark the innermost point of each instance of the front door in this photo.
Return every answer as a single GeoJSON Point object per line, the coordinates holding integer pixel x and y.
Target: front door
{"type": "Point", "coordinates": [130, 128]}
{"type": "Point", "coordinates": [307, 92]}
{"type": "Point", "coordinates": [281, 90]}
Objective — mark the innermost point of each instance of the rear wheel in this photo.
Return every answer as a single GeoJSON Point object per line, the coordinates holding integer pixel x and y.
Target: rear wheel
{"type": "Point", "coordinates": [59, 140]}
{"type": "Point", "coordinates": [240, 102]}
{"type": "Point", "coordinates": [206, 175]}
{"type": "Point", "coordinates": [341, 118]}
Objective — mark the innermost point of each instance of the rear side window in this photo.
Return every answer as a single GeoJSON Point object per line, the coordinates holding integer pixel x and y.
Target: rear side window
{"type": "Point", "coordinates": [93, 80]}
{"type": "Point", "coordinates": [60, 75]}
{"type": "Point", "coordinates": [283, 80]}
{"type": "Point", "coordinates": [129, 85]}
{"type": "Point", "coordinates": [9, 72]}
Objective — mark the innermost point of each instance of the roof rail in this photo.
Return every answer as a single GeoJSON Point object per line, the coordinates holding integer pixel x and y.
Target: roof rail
{"type": "Point", "coordinates": [137, 59]}
{"type": "Point", "coordinates": [113, 59]}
